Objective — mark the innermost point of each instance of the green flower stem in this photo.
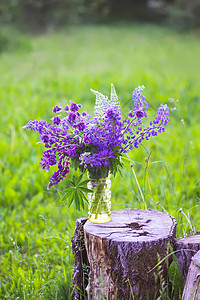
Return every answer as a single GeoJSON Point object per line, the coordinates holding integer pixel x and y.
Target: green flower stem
{"type": "Point", "coordinates": [99, 200]}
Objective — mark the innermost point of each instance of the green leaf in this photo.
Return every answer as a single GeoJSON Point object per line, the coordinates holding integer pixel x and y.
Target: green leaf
{"type": "Point", "coordinates": [70, 200]}
{"type": "Point", "coordinates": [176, 279]}
{"type": "Point", "coordinates": [79, 179]}
{"type": "Point", "coordinates": [74, 180]}
{"type": "Point", "coordinates": [75, 163]}
{"type": "Point", "coordinates": [115, 148]}
{"type": "Point", "coordinates": [125, 158]}
{"type": "Point", "coordinates": [111, 166]}
{"type": "Point", "coordinates": [120, 172]}
{"type": "Point", "coordinates": [75, 192]}
{"type": "Point", "coordinates": [174, 274]}
{"type": "Point", "coordinates": [77, 200]}
{"type": "Point", "coordinates": [70, 182]}
{"type": "Point", "coordinates": [84, 189]}
{"type": "Point", "coordinates": [117, 154]}
{"type": "Point", "coordinates": [84, 182]}
{"type": "Point", "coordinates": [83, 195]}
{"type": "Point", "coordinates": [66, 194]}
{"type": "Point", "coordinates": [80, 198]}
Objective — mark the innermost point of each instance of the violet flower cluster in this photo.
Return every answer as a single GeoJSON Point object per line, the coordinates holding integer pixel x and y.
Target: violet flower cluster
{"type": "Point", "coordinates": [73, 138]}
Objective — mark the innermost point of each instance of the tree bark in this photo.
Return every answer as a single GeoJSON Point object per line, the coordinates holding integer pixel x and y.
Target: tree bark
{"type": "Point", "coordinates": [186, 249]}
{"type": "Point", "coordinates": [122, 253]}
{"type": "Point", "coordinates": [81, 268]}
{"type": "Point", "coordinates": [192, 286]}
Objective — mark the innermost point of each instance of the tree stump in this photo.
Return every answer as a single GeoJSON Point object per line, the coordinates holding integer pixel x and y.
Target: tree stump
{"type": "Point", "coordinates": [122, 253]}
{"type": "Point", "coordinates": [186, 249]}
{"type": "Point", "coordinates": [192, 286]}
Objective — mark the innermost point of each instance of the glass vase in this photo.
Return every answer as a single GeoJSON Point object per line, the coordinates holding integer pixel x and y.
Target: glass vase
{"type": "Point", "coordinates": [99, 202]}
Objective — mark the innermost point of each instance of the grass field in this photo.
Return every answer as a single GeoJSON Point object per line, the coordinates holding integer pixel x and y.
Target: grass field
{"type": "Point", "coordinates": [38, 72]}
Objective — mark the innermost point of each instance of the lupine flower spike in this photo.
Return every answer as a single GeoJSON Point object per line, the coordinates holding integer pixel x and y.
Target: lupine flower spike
{"type": "Point", "coordinates": [75, 139]}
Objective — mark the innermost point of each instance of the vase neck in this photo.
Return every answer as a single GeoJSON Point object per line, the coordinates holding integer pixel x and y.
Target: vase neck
{"type": "Point", "coordinates": [90, 177]}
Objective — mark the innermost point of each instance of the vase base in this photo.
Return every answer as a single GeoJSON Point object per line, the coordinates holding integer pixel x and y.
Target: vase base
{"type": "Point", "coordinates": [103, 218]}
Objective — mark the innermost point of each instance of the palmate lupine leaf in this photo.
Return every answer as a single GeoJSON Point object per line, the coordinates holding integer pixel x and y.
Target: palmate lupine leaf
{"type": "Point", "coordinates": [76, 192]}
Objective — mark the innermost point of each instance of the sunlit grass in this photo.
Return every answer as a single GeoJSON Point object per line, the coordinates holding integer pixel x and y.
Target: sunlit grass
{"type": "Point", "coordinates": [48, 69]}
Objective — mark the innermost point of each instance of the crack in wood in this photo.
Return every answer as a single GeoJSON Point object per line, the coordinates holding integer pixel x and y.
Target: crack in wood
{"type": "Point", "coordinates": [133, 233]}
{"type": "Point", "coordinates": [135, 225]}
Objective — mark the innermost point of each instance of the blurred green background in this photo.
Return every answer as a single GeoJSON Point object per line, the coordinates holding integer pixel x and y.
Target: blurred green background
{"type": "Point", "coordinates": [40, 14]}
{"type": "Point", "coordinates": [52, 53]}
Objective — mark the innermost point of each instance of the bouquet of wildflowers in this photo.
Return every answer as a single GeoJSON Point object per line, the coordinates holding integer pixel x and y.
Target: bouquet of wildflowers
{"type": "Point", "coordinates": [74, 139]}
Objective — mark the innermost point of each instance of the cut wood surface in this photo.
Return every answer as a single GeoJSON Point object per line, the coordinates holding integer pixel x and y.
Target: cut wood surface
{"type": "Point", "coordinates": [192, 286]}
{"type": "Point", "coordinates": [122, 252]}
{"type": "Point", "coordinates": [186, 248]}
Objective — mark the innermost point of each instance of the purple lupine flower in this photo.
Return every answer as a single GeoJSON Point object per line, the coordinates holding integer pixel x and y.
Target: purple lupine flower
{"type": "Point", "coordinates": [44, 138]}
{"type": "Point", "coordinates": [71, 118]}
{"type": "Point", "coordinates": [60, 174]}
{"type": "Point", "coordinates": [74, 107]}
{"type": "Point", "coordinates": [110, 114]}
{"type": "Point", "coordinates": [56, 109]}
{"type": "Point", "coordinates": [139, 98]}
{"type": "Point", "coordinates": [80, 126]}
{"type": "Point", "coordinates": [140, 104]}
{"type": "Point", "coordinates": [48, 159]}
{"type": "Point", "coordinates": [56, 120]}
{"type": "Point", "coordinates": [36, 125]}
{"type": "Point", "coordinates": [139, 113]}
{"type": "Point", "coordinates": [95, 142]}
{"type": "Point", "coordinates": [96, 159]}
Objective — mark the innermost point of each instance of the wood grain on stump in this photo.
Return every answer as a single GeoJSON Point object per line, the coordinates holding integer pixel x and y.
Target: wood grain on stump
{"type": "Point", "coordinates": [123, 251]}
{"type": "Point", "coordinates": [192, 286]}
{"type": "Point", "coordinates": [186, 249]}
